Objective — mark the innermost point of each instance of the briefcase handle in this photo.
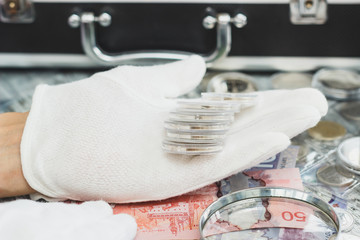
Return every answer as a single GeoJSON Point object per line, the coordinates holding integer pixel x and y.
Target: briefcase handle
{"type": "Point", "coordinates": [87, 20]}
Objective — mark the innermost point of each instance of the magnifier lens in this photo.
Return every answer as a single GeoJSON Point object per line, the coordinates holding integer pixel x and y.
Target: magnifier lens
{"type": "Point", "coordinates": [270, 218]}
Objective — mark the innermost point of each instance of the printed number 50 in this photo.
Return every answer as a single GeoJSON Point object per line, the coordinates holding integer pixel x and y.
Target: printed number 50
{"type": "Point", "coordinates": [298, 216]}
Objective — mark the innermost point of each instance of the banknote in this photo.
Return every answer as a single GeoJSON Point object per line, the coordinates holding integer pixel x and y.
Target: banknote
{"type": "Point", "coordinates": [175, 218]}
{"type": "Point", "coordinates": [284, 159]}
{"type": "Point", "coordinates": [258, 234]}
{"type": "Point", "coordinates": [263, 213]}
{"type": "Point", "coordinates": [286, 177]}
{"type": "Point", "coordinates": [278, 234]}
{"type": "Point", "coordinates": [299, 234]}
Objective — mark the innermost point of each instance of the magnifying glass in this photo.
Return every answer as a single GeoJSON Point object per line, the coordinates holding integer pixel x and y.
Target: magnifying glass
{"type": "Point", "coordinates": [269, 213]}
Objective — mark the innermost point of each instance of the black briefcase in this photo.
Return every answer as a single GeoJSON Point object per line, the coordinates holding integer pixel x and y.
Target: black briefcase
{"type": "Point", "coordinates": [231, 35]}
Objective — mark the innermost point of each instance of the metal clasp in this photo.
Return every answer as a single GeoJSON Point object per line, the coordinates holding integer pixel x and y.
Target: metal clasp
{"type": "Point", "coordinates": [308, 11]}
{"type": "Point", "coordinates": [17, 11]}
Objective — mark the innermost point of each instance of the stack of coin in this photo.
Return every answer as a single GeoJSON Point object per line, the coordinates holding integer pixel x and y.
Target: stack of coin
{"type": "Point", "coordinates": [199, 126]}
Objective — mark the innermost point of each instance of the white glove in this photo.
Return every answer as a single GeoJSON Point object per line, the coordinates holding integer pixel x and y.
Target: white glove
{"type": "Point", "coordinates": [29, 220]}
{"type": "Point", "coordinates": [100, 138]}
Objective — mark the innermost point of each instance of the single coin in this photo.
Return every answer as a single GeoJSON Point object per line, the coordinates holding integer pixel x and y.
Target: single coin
{"type": "Point", "coordinates": [197, 116]}
{"type": "Point", "coordinates": [191, 149]}
{"type": "Point", "coordinates": [351, 111]}
{"type": "Point", "coordinates": [344, 171]}
{"type": "Point", "coordinates": [201, 104]}
{"type": "Point", "coordinates": [338, 83]}
{"type": "Point", "coordinates": [192, 137]}
{"type": "Point", "coordinates": [197, 126]}
{"type": "Point", "coordinates": [291, 80]}
{"type": "Point", "coordinates": [346, 219]}
{"type": "Point", "coordinates": [231, 82]}
{"type": "Point", "coordinates": [340, 79]}
{"type": "Point", "coordinates": [329, 176]}
{"type": "Point", "coordinates": [327, 131]}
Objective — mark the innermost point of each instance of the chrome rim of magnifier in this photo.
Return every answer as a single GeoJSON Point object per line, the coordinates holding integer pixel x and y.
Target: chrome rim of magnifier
{"type": "Point", "coordinates": [343, 159]}
{"type": "Point", "coordinates": [268, 192]}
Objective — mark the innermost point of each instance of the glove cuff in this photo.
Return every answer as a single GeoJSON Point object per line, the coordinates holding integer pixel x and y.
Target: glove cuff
{"type": "Point", "coordinates": [30, 141]}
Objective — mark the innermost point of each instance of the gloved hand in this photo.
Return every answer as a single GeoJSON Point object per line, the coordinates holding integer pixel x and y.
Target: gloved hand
{"type": "Point", "coordinates": [100, 138]}
{"type": "Point", "coordinates": [29, 220]}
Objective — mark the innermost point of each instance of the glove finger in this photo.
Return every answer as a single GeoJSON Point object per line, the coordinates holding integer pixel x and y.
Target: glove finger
{"type": "Point", "coordinates": [291, 121]}
{"type": "Point", "coordinates": [168, 80]}
{"type": "Point", "coordinates": [304, 96]}
{"type": "Point", "coordinates": [240, 152]}
{"type": "Point", "coordinates": [90, 220]}
{"type": "Point", "coordinates": [253, 150]}
{"type": "Point", "coordinates": [189, 173]}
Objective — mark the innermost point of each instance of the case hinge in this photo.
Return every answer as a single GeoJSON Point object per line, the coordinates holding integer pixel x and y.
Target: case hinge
{"type": "Point", "coordinates": [17, 11]}
{"type": "Point", "coordinates": [308, 11]}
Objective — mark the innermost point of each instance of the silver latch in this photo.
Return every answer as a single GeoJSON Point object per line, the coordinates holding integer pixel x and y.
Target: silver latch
{"type": "Point", "coordinates": [17, 11]}
{"type": "Point", "coordinates": [308, 11]}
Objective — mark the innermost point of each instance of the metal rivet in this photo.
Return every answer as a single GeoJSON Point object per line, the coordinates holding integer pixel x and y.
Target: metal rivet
{"type": "Point", "coordinates": [104, 19]}
{"type": "Point", "coordinates": [240, 20]}
{"type": "Point", "coordinates": [74, 21]}
{"type": "Point", "coordinates": [209, 22]}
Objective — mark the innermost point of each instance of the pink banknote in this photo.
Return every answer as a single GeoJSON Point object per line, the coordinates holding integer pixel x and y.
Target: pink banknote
{"type": "Point", "coordinates": [175, 218]}
{"type": "Point", "coordinates": [263, 213]}
{"type": "Point", "coordinates": [285, 177]}
{"type": "Point", "coordinates": [259, 215]}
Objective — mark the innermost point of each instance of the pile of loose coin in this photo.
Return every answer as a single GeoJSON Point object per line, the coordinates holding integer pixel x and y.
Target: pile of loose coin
{"type": "Point", "coordinates": [199, 126]}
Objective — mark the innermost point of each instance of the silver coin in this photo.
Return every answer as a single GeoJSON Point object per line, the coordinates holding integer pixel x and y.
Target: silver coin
{"type": "Point", "coordinates": [197, 126]}
{"type": "Point", "coordinates": [329, 176]}
{"type": "Point", "coordinates": [201, 104]}
{"type": "Point", "coordinates": [192, 137]}
{"type": "Point", "coordinates": [338, 84]}
{"type": "Point", "coordinates": [203, 116]}
{"type": "Point", "coordinates": [291, 80]}
{"type": "Point", "coordinates": [340, 79]}
{"type": "Point", "coordinates": [351, 111]}
{"type": "Point", "coordinates": [190, 148]}
{"type": "Point", "coordinates": [344, 171]}
{"type": "Point", "coordinates": [346, 219]}
{"type": "Point", "coordinates": [231, 82]}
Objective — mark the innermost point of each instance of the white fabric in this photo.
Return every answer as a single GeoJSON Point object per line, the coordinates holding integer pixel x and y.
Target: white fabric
{"type": "Point", "coordinates": [29, 220]}
{"type": "Point", "coordinates": [100, 138]}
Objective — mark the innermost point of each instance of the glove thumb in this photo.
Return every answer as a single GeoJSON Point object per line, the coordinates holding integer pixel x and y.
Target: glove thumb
{"type": "Point", "coordinates": [169, 80]}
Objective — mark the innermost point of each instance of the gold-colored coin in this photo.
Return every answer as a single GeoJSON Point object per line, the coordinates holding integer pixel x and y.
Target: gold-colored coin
{"type": "Point", "coordinates": [327, 131]}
